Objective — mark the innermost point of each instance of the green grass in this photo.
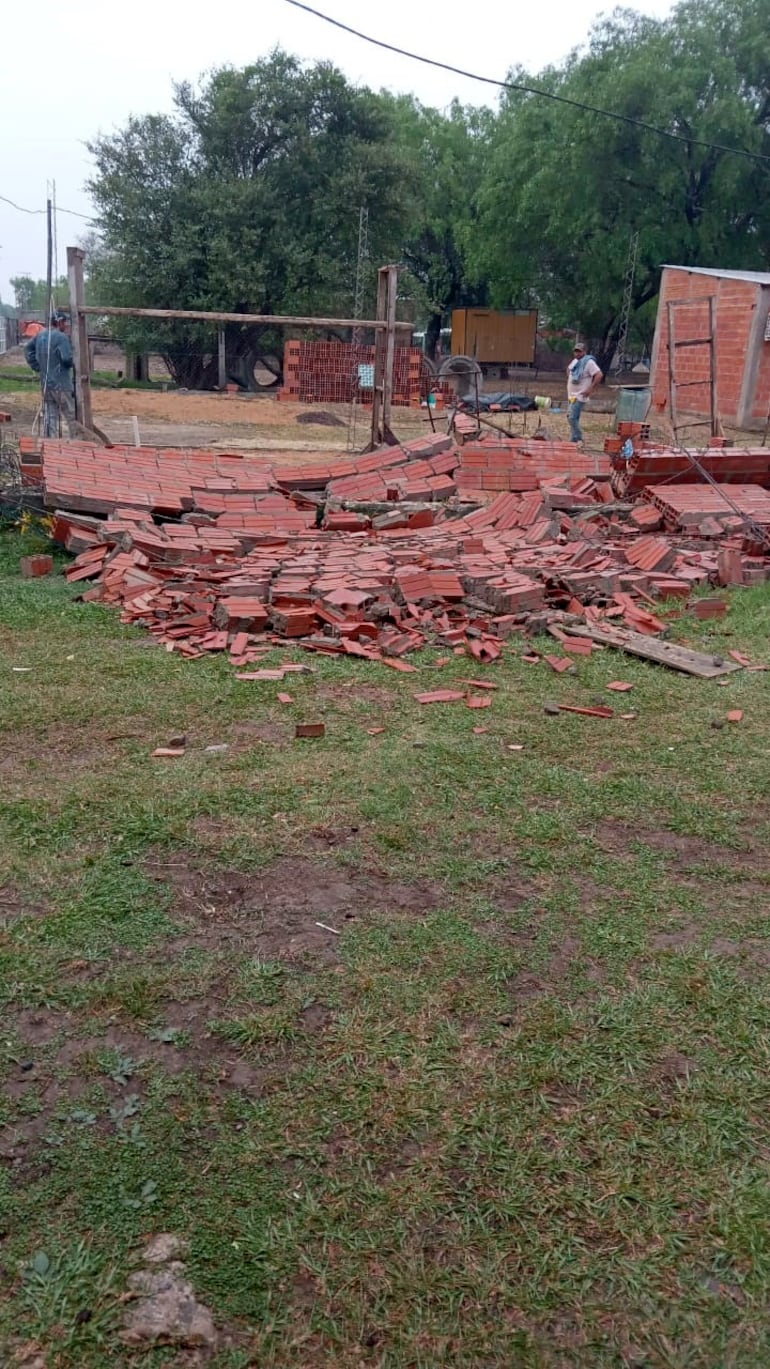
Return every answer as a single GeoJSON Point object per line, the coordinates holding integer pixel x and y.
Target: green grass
{"type": "Point", "coordinates": [514, 1114]}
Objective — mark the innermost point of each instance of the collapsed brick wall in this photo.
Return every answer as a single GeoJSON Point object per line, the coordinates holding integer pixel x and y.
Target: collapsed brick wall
{"type": "Point", "coordinates": [737, 302]}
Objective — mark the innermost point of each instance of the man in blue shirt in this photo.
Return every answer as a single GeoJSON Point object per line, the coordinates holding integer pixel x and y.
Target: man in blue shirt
{"type": "Point", "coordinates": [50, 355]}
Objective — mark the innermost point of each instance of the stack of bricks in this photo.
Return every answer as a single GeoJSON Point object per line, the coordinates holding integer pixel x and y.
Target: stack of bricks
{"type": "Point", "coordinates": [328, 373]}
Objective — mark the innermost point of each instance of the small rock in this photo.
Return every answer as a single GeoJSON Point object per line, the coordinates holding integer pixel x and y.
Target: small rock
{"type": "Point", "coordinates": [167, 1311]}
{"type": "Point", "coordinates": [217, 750]}
{"type": "Point", "coordinates": [179, 740]}
{"type": "Point", "coordinates": [552, 710]}
{"type": "Point", "coordinates": [162, 1248]}
{"type": "Point", "coordinates": [717, 723]}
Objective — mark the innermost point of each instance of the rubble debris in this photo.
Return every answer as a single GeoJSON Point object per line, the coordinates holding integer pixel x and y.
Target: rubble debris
{"type": "Point", "coordinates": [33, 567]}
{"type": "Point", "coordinates": [663, 653]}
{"type": "Point", "coordinates": [167, 1311]}
{"type": "Point", "coordinates": [218, 552]}
{"type": "Point", "coordinates": [310, 730]}
{"type": "Point", "coordinates": [596, 712]}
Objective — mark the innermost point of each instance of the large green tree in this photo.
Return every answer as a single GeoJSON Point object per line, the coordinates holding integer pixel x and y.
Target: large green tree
{"type": "Point", "coordinates": [565, 188]}
{"type": "Point", "coordinates": [246, 199]}
{"type": "Point", "coordinates": [447, 155]}
{"type": "Point", "coordinates": [32, 295]}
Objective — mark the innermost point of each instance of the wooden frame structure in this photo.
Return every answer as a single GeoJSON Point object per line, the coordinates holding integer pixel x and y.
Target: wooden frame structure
{"type": "Point", "coordinates": [384, 326]}
{"type": "Point", "coordinates": [710, 380]}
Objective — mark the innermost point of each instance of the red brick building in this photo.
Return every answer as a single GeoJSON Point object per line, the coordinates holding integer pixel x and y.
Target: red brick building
{"type": "Point", "coordinates": [742, 343]}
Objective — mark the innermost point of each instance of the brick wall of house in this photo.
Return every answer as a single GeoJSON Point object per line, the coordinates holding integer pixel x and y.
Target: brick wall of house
{"type": "Point", "coordinates": [737, 302]}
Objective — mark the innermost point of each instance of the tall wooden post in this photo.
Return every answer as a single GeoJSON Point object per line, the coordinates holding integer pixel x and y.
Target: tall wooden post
{"type": "Point", "coordinates": [713, 401]}
{"type": "Point", "coordinates": [391, 296]}
{"type": "Point", "coordinates": [379, 359]}
{"type": "Point", "coordinates": [384, 356]}
{"type": "Point", "coordinates": [79, 326]}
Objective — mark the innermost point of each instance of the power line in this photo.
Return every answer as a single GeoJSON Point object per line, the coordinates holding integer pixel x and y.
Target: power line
{"type": "Point", "coordinates": [23, 210]}
{"type": "Point", "coordinates": [531, 90]}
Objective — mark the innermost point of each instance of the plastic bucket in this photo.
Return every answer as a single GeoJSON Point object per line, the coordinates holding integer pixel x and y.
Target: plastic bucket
{"type": "Point", "coordinates": [543, 401]}
{"type": "Point", "coordinates": [633, 403]}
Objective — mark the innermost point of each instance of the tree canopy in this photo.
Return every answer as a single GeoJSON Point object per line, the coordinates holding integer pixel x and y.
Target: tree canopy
{"type": "Point", "coordinates": [566, 187]}
{"type": "Point", "coordinates": [247, 197]}
{"type": "Point", "coordinates": [32, 295]}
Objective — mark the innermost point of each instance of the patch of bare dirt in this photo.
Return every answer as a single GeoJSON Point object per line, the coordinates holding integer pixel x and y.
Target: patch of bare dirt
{"type": "Point", "coordinates": [527, 985]}
{"type": "Point", "coordinates": [680, 850]}
{"type": "Point", "coordinates": [37, 1026]}
{"type": "Point", "coordinates": [752, 951]}
{"type": "Point", "coordinates": [49, 755]}
{"type": "Point", "coordinates": [275, 913]}
{"type": "Point", "coordinates": [58, 1080]}
{"type": "Point", "coordinates": [674, 1068]}
{"type": "Point", "coordinates": [248, 734]}
{"type": "Point", "coordinates": [678, 939]}
{"type": "Point", "coordinates": [326, 838]}
{"type": "Point", "coordinates": [14, 905]}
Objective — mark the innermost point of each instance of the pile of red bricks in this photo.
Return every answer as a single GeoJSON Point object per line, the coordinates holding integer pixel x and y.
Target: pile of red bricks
{"type": "Point", "coordinates": [224, 552]}
{"type": "Point", "coordinates": [327, 373]}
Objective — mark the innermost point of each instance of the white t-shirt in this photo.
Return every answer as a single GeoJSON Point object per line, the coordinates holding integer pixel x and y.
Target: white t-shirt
{"type": "Point", "coordinates": [579, 389]}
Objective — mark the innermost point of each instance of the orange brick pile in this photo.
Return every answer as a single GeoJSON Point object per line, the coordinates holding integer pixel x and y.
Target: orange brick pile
{"type": "Point", "coordinates": [225, 553]}
{"type": "Point", "coordinates": [327, 373]}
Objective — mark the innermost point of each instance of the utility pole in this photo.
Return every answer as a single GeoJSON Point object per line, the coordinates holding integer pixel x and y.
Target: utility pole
{"type": "Point", "coordinates": [49, 262]}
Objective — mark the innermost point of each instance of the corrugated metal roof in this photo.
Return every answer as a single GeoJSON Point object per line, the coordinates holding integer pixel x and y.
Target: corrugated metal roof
{"type": "Point", "coordinates": [756, 277]}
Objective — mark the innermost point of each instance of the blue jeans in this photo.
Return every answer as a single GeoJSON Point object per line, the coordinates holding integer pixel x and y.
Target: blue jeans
{"type": "Point", "coordinates": [58, 409]}
{"type": "Point", "coordinates": [574, 410]}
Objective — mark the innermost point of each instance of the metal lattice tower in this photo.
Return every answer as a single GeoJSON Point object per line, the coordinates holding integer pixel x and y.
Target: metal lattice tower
{"type": "Point", "coordinates": [362, 265]}
{"type": "Point", "coordinates": [628, 295]}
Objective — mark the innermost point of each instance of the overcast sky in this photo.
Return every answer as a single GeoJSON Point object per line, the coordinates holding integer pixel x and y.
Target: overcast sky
{"type": "Point", "coordinates": [69, 72]}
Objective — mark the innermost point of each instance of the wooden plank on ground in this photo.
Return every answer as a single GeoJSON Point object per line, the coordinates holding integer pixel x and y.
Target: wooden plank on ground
{"type": "Point", "coordinates": [653, 649]}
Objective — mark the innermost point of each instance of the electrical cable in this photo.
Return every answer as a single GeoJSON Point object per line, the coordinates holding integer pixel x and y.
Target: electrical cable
{"type": "Point", "coordinates": [532, 90]}
{"type": "Point", "coordinates": [23, 209]}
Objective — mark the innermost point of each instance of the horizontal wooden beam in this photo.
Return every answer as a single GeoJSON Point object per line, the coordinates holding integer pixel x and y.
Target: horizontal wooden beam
{"type": "Point", "coordinates": [199, 316]}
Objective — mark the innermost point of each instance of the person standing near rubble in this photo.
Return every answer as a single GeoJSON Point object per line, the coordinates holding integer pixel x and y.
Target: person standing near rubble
{"type": "Point", "coordinates": [583, 376]}
{"type": "Point", "coordinates": [50, 355]}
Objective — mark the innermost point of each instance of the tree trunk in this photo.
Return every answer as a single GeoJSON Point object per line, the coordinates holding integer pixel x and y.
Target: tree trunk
{"type": "Point", "coordinates": [192, 371]}
{"type": "Point", "coordinates": [433, 336]}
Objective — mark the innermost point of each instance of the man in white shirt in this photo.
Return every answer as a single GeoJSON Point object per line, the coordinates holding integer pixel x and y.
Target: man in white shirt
{"type": "Point", "coordinates": [583, 376]}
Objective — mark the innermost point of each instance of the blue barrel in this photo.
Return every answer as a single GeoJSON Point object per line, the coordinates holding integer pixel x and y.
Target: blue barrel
{"type": "Point", "coordinates": [633, 403]}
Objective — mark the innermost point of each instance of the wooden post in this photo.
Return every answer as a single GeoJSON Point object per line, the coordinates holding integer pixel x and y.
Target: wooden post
{"type": "Point", "coordinates": [79, 329]}
{"type": "Point", "coordinates": [384, 356]}
{"type": "Point", "coordinates": [391, 296]}
{"type": "Point", "coordinates": [49, 267]}
{"type": "Point", "coordinates": [222, 360]}
{"type": "Point", "coordinates": [379, 357]}
{"type": "Point", "coordinates": [715, 423]}
{"type": "Point", "coordinates": [671, 368]}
